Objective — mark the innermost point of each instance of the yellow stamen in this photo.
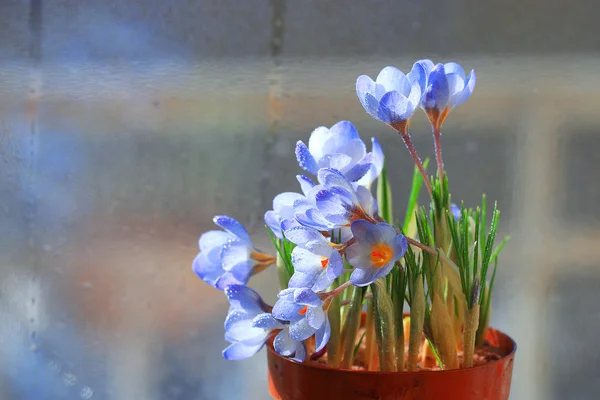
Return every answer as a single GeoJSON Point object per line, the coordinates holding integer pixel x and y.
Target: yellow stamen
{"type": "Point", "coordinates": [381, 254]}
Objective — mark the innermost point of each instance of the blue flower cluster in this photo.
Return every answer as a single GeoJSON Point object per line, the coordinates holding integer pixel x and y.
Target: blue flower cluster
{"type": "Point", "coordinates": [338, 202]}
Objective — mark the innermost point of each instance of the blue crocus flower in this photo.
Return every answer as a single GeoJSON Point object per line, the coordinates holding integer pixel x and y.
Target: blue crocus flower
{"type": "Point", "coordinates": [282, 212]}
{"type": "Point", "coordinates": [248, 324]}
{"type": "Point", "coordinates": [228, 257]}
{"type": "Point", "coordinates": [456, 212]}
{"type": "Point", "coordinates": [304, 310]}
{"type": "Point", "coordinates": [339, 202]}
{"type": "Point", "coordinates": [446, 87]}
{"type": "Point", "coordinates": [288, 347]}
{"type": "Point", "coordinates": [337, 147]}
{"type": "Point", "coordinates": [378, 247]}
{"type": "Point", "coordinates": [376, 165]}
{"type": "Point", "coordinates": [316, 262]}
{"type": "Point", "coordinates": [393, 97]}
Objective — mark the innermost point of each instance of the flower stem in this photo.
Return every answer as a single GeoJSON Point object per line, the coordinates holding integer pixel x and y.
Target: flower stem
{"type": "Point", "coordinates": [437, 144]}
{"type": "Point", "coordinates": [333, 346]}
{"type": "Point", "coordinates": [471, 324]}
{"type": "Point", "coordinates": [417, 319]}
{"type": "Point", "coordinates": [384, 326]}
{"type": "Point", "coordinates": [402, 129]}
{"type": "Point", "coordinates": [351, 325]}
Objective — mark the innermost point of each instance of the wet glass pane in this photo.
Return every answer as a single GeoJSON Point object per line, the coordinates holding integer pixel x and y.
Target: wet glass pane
{"type": "Point", "coordinates": [125, 126]}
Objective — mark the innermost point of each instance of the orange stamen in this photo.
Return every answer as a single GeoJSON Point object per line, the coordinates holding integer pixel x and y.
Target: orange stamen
{"type": "Point", "coordinates": [381, 254]}
{"type": "Point", "coordinates": [324, 262]}
{"type": "Point", "coordinates": [303, 310]}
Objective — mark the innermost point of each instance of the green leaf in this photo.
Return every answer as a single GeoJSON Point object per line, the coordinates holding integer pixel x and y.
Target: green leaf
{"type": "Point", "coordinates": [384, 197]}
{"type": "Point", "coordinates": [358, 344]}
{"type": "Point", "coordinates": [413, 198]}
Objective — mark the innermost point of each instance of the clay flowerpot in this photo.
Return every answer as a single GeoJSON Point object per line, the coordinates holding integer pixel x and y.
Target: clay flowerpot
{"type": "Point", "coordinates": [289, 380]}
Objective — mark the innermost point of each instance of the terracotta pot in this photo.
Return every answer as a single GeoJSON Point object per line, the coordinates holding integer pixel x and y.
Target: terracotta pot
{"type": "Point", "coordinates": [289, 380]}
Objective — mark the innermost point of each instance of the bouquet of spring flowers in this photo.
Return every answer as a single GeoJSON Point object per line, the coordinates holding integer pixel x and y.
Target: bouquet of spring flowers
{"type": "Point", "coordinates": [341, 252]}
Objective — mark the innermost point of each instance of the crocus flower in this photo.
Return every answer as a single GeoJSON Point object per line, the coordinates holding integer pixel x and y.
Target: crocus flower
{"type": "Point", "coordinates": [378, 247]}
{"type": "Point", "coordinates": [228, 257]}
{"type": "Point", "coordinates": [316, 262]}
{"type": "Point", "coordinates": [446, 88]}
{"type": "Point", "coordinates": [340, 202]}
{"type": "Point", "coordinates": [248, 323]}
{"type": "Point", "coordinates": [339, 147]}
{"type": "Point", "coordinates": [393, 97]}
{"type": "Point", "coordinates": [376, 165]}
{"type": "Point", "coordinates": [288, 347]}
{"type": "Point", "coordinates": [304, 310]}
{"type": "Point", "coordinates": [456, 212]}
{"type": "Point", "coordinates": [282, 213]}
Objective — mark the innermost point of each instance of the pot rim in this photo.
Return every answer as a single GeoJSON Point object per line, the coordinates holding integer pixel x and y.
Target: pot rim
{"type": "Point", "coordinates": [271, 351]}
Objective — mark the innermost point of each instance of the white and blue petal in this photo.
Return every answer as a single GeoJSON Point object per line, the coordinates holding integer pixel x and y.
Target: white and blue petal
{"type": "Point", "coordinates": [234, 252]}
{"type": "Point", "coordinates": [301, 330]}
{"type": "Point", "coordinates": [206, 269]}
{"type": "Point", "coordinates": [284, 344]}
{"type": "Point", "coordinates": [358, 255]}
{"type": "Point", "coordinates": [437, 92]}
{"type": "Point", "coordinates": [302, 280]}
{"type": "Point", "coordinates": [240, 351]}
{"type": "Point", "coordinates": [305, 183]}
{"type": "Point", "coordinates": [266, 321]}
{"type": "Point", "coordinates": [307, 297]}
{"type": "Point", "coordinates": [322, 335]}
{"type": "Point", "coordinates": [305, 159]}
{"type": "Point", "coordinates": [210, 243]}
{"type": "Point", "coordinates": [364, 277]}
{"type": "Point", "coordinates": [300, 354]}
{"type": "Point", "coordinates": [232, 226]}
{"type": "Point", "coordinates": [306, 262]}
{"type": "Point", "coordinates": [315, 317]}
{"type": "Point", "coordinates": [287, 310]}
{"type": "Point", "coordinates": [244, 298]}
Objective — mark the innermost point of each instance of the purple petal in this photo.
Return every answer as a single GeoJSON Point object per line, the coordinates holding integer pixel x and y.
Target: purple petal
{"type": "Point", "coordinates": [317, 140]}
{"type": "Point", "coordinates": [243, 298]}
{"type": "Point", "coordinates": [364, 277]}
{"type": "Point", "coordinates": [283, 344]}
{"type": "Point", "coordinates": [437, 92]}
{"type": "Point", "coordinates": [322, 282]}
{"type": "Point", "coordinates": [331, 177]}
{"type": "Point", "coordinates": [391, 79]}
{"type": "Point", "coordinates": [212, 240]}
{"type": "Point", "coordinates": [337, 161]}
{"type": "Point", "coordinates": [400, 247]}
{"type": "Point", "coordinates": [345, 131]}
{"type": "Point", "coordinates": [305, 183]}
{"type": "Point", "coordinates": [305, 159]}
{"type": "Point", "coordinates": [241, 330]}
{"type": "Point", "coordinates": [242, 271]}
{"type": "Point", "coordinates": [300, 236]}
{"type": "Point", "coordinates": [322, 335]}
{"type": "Point", "coordinates": [315, 316]}
{"type": "Point", "coordinates": [357, 172]}
{"type": "Point", "coordinates": [307, 297]}
{"type": "Point", "coordinates": [418, 74]}
{"type": "Point", "coordinates": [266, 321]}
{"type": "Point", "coordinates": [272, 221]}
{"type": "Point", "coordinates": [306, 262]}
{"type": "Point", "coordinates": [335, 266]}
{"type": "Point", "coordinates": [240, 351]}
{"type": "Point", "coordinates": [233, 253]}
{"type": "Point", "coordinates": [365, 232]}
{"type": "Point", "coordinates": [359, 255]}
{"type": "Point", "coordinates": [454, 68]}
{"type": "Point", "coordinates": [287, 310]}
{"type": "Point", "coordinates": [301, 280]}
{"type": "Point", "coordinates": [206, 270]}
{"type": "Point", "coordinates": [228, 279]}
{"type": "Point", "coordinates": [468, 90]}
{"type": "Point", "coordinates": [232, 226]}
{"type": "Point", "coordinates": [365, 90]}
{"type": "Point", "coordinates": [366, 200]}
{"type": "Point", "coordinates": [398, 106]}
{"type": "Point", "coordinates": [300, 354]}
{"type": "Point", "coordinates": [301, 330]}
{"type": "Point", "coordinates": [285, 200]}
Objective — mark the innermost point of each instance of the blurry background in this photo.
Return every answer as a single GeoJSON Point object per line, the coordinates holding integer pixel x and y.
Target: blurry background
{"type": "Point", "coordinates": [126, 125]}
